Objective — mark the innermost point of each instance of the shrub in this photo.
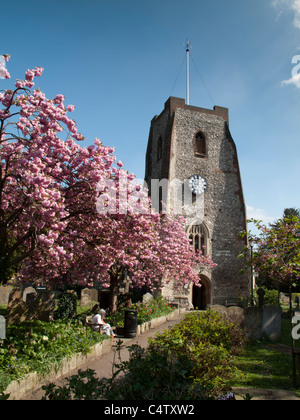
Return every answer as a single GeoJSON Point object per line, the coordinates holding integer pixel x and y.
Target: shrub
{"type": "Point", "coordinates": [145, 312]}
{"type": "Point", "coordinates": [67, 306]}
{"type": "Point", "coordinates": [40, 346]}
{"type": "Point", "coordinates": [152, 375]}
{"type": "Point", "coordinates": [83, 386]}
{"type": "Point", "coordinates": [209, 343]}
{"type": "Point", "coordinates": [191, 361]}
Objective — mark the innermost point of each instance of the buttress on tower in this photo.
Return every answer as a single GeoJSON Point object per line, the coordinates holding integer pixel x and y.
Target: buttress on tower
{"type": "Point", "coordinates": [192, 165]}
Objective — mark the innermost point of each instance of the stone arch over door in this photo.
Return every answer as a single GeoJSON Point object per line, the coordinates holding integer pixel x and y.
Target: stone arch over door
{"type": "Point", "coordinates": [201, 296]}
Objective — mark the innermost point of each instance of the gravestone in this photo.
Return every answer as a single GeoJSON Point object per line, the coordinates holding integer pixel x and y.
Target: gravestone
{"type": "Point", "coordinates": [88, 297]}
{"type": "Point", "coordinates": [253, 323]}
{"type": "Point", "coordinates": [271, 324]}
{"type": "Point", "coordinates": [147, 298]}
{"type": "Point", "coordinates": [221, 310]}
{"type": "Point", "coordinates": [17, 309]}
{"type": "Point", "coordinates": [37, 306]}
{"type": "Point", "coordinates": [261, 297]}
{"type": "Point", "coordinates": [29, 291]}
{"type": "Point", "coordinates": [5, 292]}
{"type": "Point", "coordinates": [47, 300]}
{"type": "Point", "coordinates": [2, 328]}
{"type": "Point", "coordinates": [236, 315]}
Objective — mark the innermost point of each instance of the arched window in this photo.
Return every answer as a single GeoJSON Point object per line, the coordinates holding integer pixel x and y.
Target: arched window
{"type": "Point", "coordinates": [198, 238]}
{"type": "Point", "coordinates": [159, 148]}
{"type": "Point", "coordinates": [200, 144]}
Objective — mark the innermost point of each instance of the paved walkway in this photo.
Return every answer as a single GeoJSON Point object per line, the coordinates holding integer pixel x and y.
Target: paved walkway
{"type": "Point", "coordinates": [264, 394]}
{"type": "Point", "coordinates": [103, 365]}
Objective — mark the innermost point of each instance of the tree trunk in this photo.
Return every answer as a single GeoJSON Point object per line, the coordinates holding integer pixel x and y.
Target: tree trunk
{"type": "Point", "coordinates": [4, 272]}
{"type": "Point", "coordinates": [113, 293]}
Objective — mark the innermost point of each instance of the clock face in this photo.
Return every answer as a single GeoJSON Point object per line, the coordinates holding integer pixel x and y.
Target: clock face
{"type": "Point", "coordinates": [197, 184]}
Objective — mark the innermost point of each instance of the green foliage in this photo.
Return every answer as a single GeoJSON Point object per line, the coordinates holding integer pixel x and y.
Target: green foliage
{"type": "Point", "coordinates": [67, 306]}
{"type": "Point", "coordinates": [156, 375]}
{"type": "Point", "coordinates": [4, 397]}
{"type": "Point", "coordinates": [37, 346]}
{"type": "Point", "coordinates": [154, 309]}
{"type": "Point", "coordinates": [83, 386]}
{"type": "Point", "coordinates": [209, 343]}
{"type": "Point", "coordinates": [271, 297]}
{"type": "Point", "coordinates": [145, 312]}
{"type": "Point", "coordinates": [277, 255]}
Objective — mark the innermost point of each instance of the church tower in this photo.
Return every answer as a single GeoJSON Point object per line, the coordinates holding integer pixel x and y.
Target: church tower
{"type": "Point", "coordinates": [192, 166]}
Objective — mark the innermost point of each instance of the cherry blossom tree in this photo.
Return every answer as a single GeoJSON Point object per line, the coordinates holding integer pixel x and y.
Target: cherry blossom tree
{"type": "Point", "coordinates": [152, 249]}
{"type": "Point", "coordinates": [277, 255]}
{"type": "Point", "coordinates": [68, 214]}
{"type": "Point", "coordinates": [45, 181]}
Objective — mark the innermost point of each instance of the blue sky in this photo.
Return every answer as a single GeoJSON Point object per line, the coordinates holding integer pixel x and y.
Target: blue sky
{"type": "Point", "coordinates": [117, 61]}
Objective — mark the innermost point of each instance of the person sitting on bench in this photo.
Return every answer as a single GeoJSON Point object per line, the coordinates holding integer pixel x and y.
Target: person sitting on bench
{"type": "Point", "coordinates": [98, 323]}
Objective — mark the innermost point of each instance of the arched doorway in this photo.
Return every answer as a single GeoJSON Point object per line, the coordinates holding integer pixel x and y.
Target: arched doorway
{"type": "Point", "coordinates": [201, 296]}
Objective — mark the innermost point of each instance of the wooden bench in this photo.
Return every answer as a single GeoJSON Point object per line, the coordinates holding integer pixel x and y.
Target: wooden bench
{"type": "Point", "coordinates": [89, 323]}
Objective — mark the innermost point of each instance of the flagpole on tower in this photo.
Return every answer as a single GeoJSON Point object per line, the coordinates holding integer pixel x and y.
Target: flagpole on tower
{"type": "Point", "coordinates": [188, 72]}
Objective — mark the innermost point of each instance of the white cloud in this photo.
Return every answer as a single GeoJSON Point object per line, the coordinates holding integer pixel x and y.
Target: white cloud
{"type": "Point", "coordinates": [295, 80]}
{"type": "Point", "coordinates": [294, 5]}
{"type": "Point", "coordinates": [2, 67]}
{"type": "Point", "coordinates": [260, 214]}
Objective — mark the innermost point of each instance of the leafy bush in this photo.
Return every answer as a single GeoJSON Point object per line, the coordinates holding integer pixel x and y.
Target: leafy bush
{"type": "Point", "coordinates": [155, 308]}
{"type": "Point", "coordinates": [67, 306]}
{"type": "Point", "coordinates": [153, 375]}
{"type": "Point", "coordinates": [209, 343]}
{"type": "Point", "coordinates": [40, 346]}
{"type": "Point", "coordinates": [83, 386]}
{"type": "Point", "coordinates": [145, 312]}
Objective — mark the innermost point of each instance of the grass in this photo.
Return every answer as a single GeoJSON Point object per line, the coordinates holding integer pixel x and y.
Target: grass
{"type": "Point", "coordinates": [262, 365]}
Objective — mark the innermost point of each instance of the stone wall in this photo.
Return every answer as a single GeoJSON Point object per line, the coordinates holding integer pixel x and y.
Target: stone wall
{"type": "Point", "coordinates": [5, 292]}
{"type": "Point", "coordinates": [255, 321]}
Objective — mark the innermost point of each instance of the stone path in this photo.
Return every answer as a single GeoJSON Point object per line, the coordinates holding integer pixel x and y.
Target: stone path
{"type": "Point", "coordinates": [265, 394]}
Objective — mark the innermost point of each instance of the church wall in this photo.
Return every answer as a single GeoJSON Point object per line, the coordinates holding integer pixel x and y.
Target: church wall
{"type": "Point", "coordinates": [224, 208]}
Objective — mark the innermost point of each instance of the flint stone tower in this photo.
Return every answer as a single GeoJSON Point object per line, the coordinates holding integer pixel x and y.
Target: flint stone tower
{"type": "Point", "coordinates": [193, 150]}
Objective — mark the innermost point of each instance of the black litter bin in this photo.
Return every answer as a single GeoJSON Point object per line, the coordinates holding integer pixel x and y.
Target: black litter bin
{"type": "Point", "coordinates": [130, 323]}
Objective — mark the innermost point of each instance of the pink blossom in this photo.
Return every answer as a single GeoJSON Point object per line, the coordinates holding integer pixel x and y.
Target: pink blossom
{"type": "Point", "coordinates": [70, 108]}
{"type": "Point", "coordinates": [59, 99]}
{"type": "Point", "coordinates": [38, 71]}
{"type": "Point", "coordinates": [29, 76]}
{"type": "Point", "coordinates": [20, 84]}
